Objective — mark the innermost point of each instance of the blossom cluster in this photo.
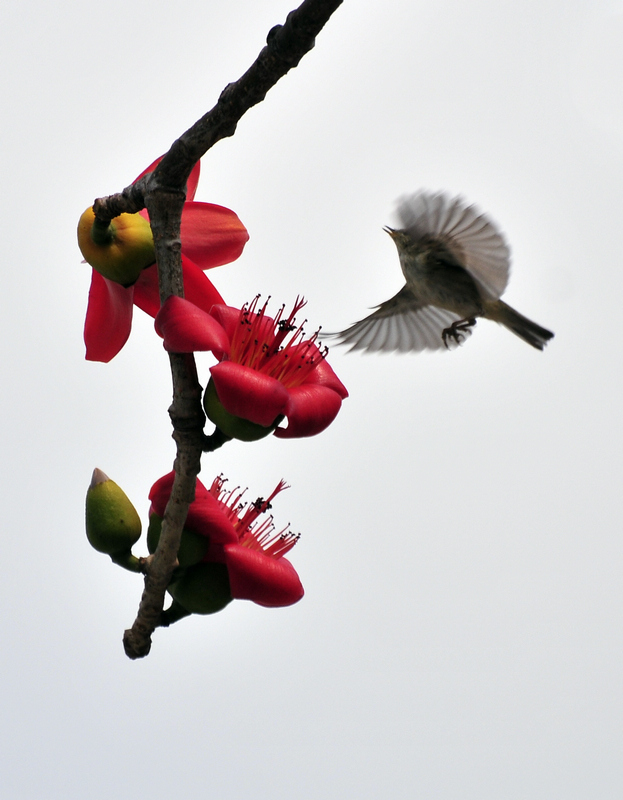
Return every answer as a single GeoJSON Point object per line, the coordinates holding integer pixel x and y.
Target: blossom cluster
{"type": "Point", "coordinates": [269, 378]}
{"type": "Point", "coordinates": [267, 370]}
{"type": "Point", "coordinates": [233, 535]}
{"type": "Point", "coordinates": [211, 236]}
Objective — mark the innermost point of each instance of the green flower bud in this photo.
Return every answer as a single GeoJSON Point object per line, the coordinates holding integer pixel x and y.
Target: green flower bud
{"type": "Point", "coordinates": [202, 589]}
{"type": "Point", "coordinates": [230, 425]}
{"type": "Point", "coordinates": [112, 524]}
{"type": "Point", "coordinates": [192, 548]}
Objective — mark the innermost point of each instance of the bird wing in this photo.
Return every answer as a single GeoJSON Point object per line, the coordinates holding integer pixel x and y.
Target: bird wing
{"type": "Point", "coordinates": [400, 323]}
{"type": "Point", "coordinates": [471, 237]}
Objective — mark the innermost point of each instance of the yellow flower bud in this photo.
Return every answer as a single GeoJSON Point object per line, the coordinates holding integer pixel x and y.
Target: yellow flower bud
{"type": "Point", "coordinates": [119, 251]}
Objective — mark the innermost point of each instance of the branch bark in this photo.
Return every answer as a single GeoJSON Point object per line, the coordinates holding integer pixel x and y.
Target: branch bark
{"type": "Point", "coordinates": [163, 193]}
{"type": "Point", "coordinates": [188, 420]}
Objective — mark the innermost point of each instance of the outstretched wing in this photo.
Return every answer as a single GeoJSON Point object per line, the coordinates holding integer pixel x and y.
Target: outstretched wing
{"type": "Point", "coordinates": [400, 323]}
{"type": "Point", "coordinates": [472, 238]}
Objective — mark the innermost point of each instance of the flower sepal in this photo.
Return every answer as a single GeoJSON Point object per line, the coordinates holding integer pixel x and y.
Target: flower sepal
{"type": "Point", "coordinates": [202, 589]}
{"type": "Point", "coordinates": [193, 546]}
{"type": "Point", "coordinates": [119, 251]}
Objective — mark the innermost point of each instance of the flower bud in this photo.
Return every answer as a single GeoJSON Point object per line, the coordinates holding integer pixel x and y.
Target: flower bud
{"type": "Point", "coordinates": [112, 524]}
{"type": "Point", "coordinates": [231, 425]}
{"type": "Point", "coordinates": [202, 589]}
{"type": "Point", "coordinates": [192, 548]}
{"type": "Point", "coordinates": [120, 250]}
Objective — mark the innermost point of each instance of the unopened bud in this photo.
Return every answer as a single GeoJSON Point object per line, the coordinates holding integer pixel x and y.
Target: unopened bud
{"type": "Point", "coordinates": [112, 523]}
{"type": "Point", "coordinates": [120, 250]}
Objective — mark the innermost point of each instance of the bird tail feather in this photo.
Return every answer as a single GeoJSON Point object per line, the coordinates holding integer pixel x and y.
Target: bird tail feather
{"type": "Point", "coordinates": [521, 326]}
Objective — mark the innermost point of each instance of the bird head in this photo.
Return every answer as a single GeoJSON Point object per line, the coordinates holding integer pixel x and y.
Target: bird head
{"type": "Point", "coordinates": [402, 240]}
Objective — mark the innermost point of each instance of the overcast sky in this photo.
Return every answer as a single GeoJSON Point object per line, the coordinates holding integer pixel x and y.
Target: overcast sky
{"type": "Point", "coordinates": [461, 634]}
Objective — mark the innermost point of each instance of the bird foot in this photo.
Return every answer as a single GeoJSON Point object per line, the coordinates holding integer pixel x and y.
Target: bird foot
{"type": "Point", "coordinates": [458, 331]}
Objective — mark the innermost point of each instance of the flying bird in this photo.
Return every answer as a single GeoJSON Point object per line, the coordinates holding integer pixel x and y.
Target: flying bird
{"type": "Point", "coordinates": [456, 265]}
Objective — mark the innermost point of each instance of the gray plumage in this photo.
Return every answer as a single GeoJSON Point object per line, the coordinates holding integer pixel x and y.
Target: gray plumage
{"type": "Point", "coordinates": [456, 265]}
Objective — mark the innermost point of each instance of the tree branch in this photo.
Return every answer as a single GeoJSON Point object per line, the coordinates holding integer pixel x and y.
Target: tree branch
{"type": "Point", "coordinates": [285, 46]}
{"type": "Point", "coordinates": [188, 420]}
{"type": "Point", "coordinates": [163, 193]}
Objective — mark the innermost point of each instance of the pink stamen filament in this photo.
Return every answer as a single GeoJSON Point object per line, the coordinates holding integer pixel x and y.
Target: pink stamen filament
{"type": "Point", "coordinates": [270, 543]}
{"type": "Point", "coordinates": [289, 362]}
{"type": "Point", "coordinates": [242, 517]}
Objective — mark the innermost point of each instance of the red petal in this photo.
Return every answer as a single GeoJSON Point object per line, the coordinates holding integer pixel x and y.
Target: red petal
{"type": "Point", "coordinates": [211, 235]}
{"type": "Point", "coordinates": [191, 186]}
{"type": "Point", "coordinates": [161, 491]}
{"type": "Point", "coordinates": [249, 394]}
{"type": "Point", "coordinates": [193, 181]}
{"type": "Point", "coordinates": [146, 292]}
{"type": "Point", "coordinates": [231, 319]}
{"type": "Point", "coordinates": [108, 320]}
{"type": "Point", "coordinates": [186, 328]}
{"type": "Point", "coordinates": [205, 515]}
{"type": "Point", "coordinates": [311, 409]}
{"type": "Point", "coordinates": [266, 581]}
{"type": "Point", "coordinates": [324, 376]}
{"type": "Point", "coordinates": [149, 169]}
{"type": "Point", "coordinates": [207, 518]}
{"type": "Point", "coordinates": [198, 288]}
{"type": "Point", "coordinates": [227, 316]}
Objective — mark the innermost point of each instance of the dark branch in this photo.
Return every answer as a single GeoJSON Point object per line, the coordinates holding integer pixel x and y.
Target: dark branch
{"type": "Point", "coordinates": [163, 194]}
{"type": "Point", "coordinates": [285, 46]}
{"type": "Point", "coordinates": [214, 441]}
{"type": "Point", "coordinates": [188, 421]}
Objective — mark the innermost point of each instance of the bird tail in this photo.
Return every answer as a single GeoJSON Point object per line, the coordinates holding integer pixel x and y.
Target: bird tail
{"type": "Point", "coordinates": [521, 326]}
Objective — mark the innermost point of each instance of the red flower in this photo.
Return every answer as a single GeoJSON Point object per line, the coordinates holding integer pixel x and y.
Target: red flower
{"type": "Point", "coordinates": [252, 551]}
{"type": "Point", "coordinates": [211, 236]}
{"type": "Point", "coordinates": [267, 369]}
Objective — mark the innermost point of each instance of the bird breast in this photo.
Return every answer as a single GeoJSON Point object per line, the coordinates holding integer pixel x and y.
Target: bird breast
{"type": "Point", "coordinates": [442, 282]}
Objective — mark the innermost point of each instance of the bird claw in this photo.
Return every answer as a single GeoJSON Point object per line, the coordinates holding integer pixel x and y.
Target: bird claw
{"type": "Point", "coordinates": [458, 331]}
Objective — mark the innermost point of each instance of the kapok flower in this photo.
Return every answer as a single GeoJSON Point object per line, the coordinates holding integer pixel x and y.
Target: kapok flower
{"type": "Point", "coordinates": [268, 370]}
{"type": "Point", "coordinates": [251, 550]}
{"type": "Point", "coordinates": [211, 235]}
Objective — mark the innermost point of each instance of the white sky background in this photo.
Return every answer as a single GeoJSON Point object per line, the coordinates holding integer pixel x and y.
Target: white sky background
{"type": "Point", "coordinates": [461, 635]}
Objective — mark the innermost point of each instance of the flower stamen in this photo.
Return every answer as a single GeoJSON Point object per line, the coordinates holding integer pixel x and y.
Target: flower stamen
{"type": "Point", "coordinates": [276, 347]}
{"type": "Point", "coordinates": [243, 516]}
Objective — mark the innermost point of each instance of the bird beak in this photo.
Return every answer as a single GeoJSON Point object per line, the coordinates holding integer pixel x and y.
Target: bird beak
{"type": "Point", "coordinates": [389, 230]}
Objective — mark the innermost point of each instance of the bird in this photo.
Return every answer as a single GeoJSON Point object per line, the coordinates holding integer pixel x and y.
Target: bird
{"type": "Point", "coordinates": [456, 264]}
